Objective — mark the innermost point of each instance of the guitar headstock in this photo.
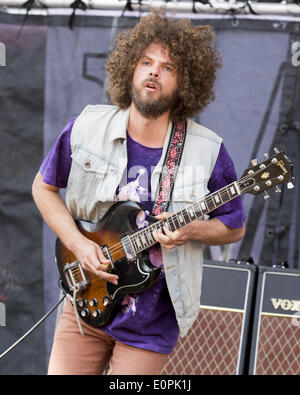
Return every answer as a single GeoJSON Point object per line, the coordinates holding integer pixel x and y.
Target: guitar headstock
{"type": "Point", "coordinates": [275, 170]}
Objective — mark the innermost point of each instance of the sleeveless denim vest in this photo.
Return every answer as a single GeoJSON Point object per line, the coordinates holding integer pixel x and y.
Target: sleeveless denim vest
{"type": "Point", "coordinates": [99, 160]}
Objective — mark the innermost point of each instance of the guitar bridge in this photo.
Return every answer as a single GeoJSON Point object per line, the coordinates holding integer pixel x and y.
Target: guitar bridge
{"type": "Point", "coordinates": [75, 276]}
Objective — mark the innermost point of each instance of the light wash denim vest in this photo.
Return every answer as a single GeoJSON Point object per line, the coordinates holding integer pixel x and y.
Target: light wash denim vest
{"type": "Point", "coordinates": [99, 160]}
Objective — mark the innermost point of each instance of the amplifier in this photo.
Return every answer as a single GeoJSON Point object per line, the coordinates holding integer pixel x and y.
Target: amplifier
{"type": "Point", "coordinates": [275, 348]}
{"type": "Point", "coordinates": [218, 341]}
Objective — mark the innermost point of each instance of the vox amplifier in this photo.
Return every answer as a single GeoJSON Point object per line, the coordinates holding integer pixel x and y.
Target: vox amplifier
{"type": "Point", "coordinates": [275, 348]}
{"type": "Point", "coordinates": [217, 343]}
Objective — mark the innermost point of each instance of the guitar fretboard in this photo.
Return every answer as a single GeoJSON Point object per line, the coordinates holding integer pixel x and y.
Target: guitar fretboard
{"type": "Point", "coordinates": [144, 239]}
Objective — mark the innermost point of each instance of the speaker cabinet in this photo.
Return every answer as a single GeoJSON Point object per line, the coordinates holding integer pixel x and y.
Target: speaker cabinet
{"type": "Point", "coordinates": [217, 342]}
{"type": "Point", "coordinates": [275, 348]}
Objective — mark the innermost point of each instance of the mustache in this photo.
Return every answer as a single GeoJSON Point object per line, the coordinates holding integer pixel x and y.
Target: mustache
{"type": "Point", "coordinates": [154, 80]}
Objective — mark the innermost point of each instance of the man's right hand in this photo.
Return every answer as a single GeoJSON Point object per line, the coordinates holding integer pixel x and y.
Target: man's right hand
{"type": "Point", "coordinates": [92, 259]}
{"type": "Point", "coordinates": [58, 217]}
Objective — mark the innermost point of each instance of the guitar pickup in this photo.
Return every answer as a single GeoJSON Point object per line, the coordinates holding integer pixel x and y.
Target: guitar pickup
{"type": "Point", "coordinates": [107, 254]}
{"type": "Point", "coordinates": [75, 276]}
{"type": "Point", "coordinates": [128, 248]}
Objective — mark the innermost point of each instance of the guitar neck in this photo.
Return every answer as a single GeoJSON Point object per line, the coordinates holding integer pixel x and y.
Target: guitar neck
{"type": "Point", "coordinates": [144, 239]}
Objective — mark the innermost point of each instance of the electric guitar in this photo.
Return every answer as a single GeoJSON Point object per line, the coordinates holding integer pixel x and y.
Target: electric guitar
{"type": "Point", "coordinates": [126, 246]}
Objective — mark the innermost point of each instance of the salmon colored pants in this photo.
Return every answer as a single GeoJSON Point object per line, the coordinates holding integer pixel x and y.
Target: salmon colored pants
{"type": "Point", "coordinates": [74, 354]}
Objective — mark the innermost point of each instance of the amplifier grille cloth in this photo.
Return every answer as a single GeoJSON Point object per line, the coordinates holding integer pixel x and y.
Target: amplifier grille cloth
{"type": "Point", "coordinates": [210, 347]}
{"type": "Point", "coordinates": [278, 346]}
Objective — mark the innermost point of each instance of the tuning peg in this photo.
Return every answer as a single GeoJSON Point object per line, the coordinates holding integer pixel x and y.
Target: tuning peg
{"type": "Point", "coordinates": [290, 185]}
{"type": "Point", "coordinates": [277, 189]}
{"type": "Point", "coordinates": [266, 195]}
{"type": "Point", "coordinates": [276, 150]}
{"type": "Point", "coordinates": [266, 156]}
{"type": "Point", "coordinates": [254, 162]}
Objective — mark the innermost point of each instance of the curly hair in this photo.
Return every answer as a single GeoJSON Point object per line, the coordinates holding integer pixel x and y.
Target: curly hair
{"type": "Point", "coordinates": [190, 48]}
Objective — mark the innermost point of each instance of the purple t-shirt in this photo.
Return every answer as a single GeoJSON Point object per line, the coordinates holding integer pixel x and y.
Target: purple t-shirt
{"type": "Point", "coordinates": [146, 320]}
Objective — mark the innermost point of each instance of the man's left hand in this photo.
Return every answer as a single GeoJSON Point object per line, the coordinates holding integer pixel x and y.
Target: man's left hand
{"type": "Point", "coordinates": [170, 239]}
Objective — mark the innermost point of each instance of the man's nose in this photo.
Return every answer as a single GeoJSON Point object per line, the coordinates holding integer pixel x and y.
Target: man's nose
{"type": "Point", "coordinates": [154, 72]}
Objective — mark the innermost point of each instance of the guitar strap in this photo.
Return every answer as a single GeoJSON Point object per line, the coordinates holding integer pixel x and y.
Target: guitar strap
{"type": "Point", "coordinates": [170, 168]}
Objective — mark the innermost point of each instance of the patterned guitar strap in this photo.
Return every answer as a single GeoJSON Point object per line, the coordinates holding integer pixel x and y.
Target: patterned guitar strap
{"type": "Point", "coordinates": [170, 168]}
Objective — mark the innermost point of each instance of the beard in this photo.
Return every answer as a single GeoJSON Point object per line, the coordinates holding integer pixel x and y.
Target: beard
{"type": "Point", "coordinates": [148, 106]}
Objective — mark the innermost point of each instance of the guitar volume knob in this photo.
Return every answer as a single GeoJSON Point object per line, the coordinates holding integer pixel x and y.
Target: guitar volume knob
{"type": "Point", "coordinates": [84, 313]}
{"type": "Point", "coordinates": [106, 301]}
{"type": "Point", "coordinates": [96, 313]}
{"type": "Point", "coordinates": [82, 303]}
{"type": "Point", "coordinates": [93, 302]}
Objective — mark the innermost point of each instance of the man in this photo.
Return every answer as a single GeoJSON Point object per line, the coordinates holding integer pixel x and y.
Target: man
{"type": "Point", "coordinates": [161, 71]}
